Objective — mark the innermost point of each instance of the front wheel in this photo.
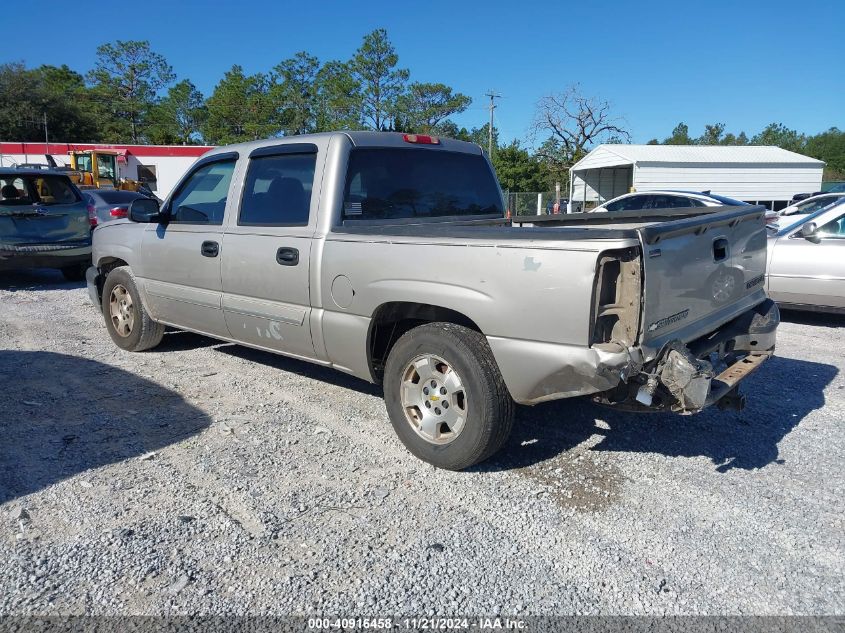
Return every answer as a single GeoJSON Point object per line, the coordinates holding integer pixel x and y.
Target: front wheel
{"type": "Point", "coordinates": [128, 323]}
{"type": "Point", "coordinates": [445, 396]}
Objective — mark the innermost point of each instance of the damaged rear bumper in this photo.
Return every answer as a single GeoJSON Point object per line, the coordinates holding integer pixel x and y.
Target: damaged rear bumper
{"type": "Point", "coordinates": [684, 377]}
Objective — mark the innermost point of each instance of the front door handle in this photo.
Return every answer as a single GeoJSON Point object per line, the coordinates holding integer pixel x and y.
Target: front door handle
{"type": "Point", "coordinates": [210, 249]}
{"type": "Point", "coordinates": [287, 256]}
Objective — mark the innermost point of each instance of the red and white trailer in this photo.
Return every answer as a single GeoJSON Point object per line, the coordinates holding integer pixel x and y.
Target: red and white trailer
{"type": "Point", "coordinates": [160, 166]}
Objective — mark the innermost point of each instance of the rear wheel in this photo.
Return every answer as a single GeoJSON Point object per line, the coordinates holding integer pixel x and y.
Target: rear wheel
{"type": "Point", "coordinates": [75, 272]}
{"type": "Point", "coordinates": [128, 323]}
{"type": "Point", "coordinates": [445, 396]}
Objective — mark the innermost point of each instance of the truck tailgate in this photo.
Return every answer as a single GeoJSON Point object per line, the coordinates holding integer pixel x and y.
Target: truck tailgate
{"type": "Point", "coordinates": [700, 272]}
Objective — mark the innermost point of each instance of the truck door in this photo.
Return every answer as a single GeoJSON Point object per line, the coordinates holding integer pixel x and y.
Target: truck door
{"type": "Point", "coordinates": [181, 258]}
{"type": "Point", "coordinates": [266, 295]}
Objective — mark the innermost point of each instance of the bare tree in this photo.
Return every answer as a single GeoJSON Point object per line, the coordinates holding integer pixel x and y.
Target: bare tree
{"type": "Point", "coordinates": [570, 123]}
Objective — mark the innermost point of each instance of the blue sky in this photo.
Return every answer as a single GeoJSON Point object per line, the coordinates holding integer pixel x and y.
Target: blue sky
{"type": "Point", "coordinates": [744, 64]}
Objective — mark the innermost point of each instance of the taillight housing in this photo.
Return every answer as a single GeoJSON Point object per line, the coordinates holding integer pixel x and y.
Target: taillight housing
{"type": "Point", "coordinates": [92, 215]}
{"type": "Point", "coordinates": [616, 298]}
{"type": "Point", "coordinates": [119, 212]}
{"type": "Point", "coordinates": [421, 139]}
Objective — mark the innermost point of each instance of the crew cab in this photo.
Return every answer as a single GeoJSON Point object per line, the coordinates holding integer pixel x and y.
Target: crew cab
{"type": "Point", "coordinates": [388, 256]}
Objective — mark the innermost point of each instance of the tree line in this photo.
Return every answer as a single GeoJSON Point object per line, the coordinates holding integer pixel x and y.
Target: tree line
{"type": "Point", "coordinates": [132, 96]}
{"type": "Point", "coordinates": [123, 98]}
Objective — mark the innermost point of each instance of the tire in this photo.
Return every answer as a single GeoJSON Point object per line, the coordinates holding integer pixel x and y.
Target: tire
{"type": "Point", "coordinates": [75, 272]}
{"type": "Point", "coordinates": [473, 411]}
{"type": "Point", "coordinates": [129, 325]}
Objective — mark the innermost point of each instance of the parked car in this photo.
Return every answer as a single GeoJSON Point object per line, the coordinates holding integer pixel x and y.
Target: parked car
{"type": "Point", "coordinates": [796, 212]}
{"type": "Point", "coordinates": [806, 267]}
{"type": "Point", "coordinates": [107, 205]}
{"type": "Point", "coordinates": [665, 199]}
{"type": "Point", "coordinates": [840, 188]}
{"type": "Point", "coordinates": [387, 256]}
{"type": "Point", "coordinates": [43, 223]}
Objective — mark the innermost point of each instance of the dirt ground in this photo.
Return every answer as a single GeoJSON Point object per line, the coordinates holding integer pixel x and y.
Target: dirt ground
{"type": "Point", "coordinates": [208, 478]}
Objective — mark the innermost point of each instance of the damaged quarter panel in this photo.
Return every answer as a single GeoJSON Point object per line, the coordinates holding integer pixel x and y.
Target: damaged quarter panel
{"type": "Point", "coordinates": [530, 297]}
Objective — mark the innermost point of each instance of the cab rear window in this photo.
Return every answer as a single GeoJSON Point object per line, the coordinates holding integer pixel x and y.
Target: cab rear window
{"type": "Point", "coordinates": [388, 184]}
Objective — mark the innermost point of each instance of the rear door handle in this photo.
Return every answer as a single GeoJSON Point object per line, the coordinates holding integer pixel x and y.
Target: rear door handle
{"type": "Point", "coordinates": [210, 249]}
{"type": "Point", "coordinates": [287, 256]}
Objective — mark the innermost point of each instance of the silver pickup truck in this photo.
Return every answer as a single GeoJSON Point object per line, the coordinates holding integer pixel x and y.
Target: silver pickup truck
{"type": "Point", "coordinates": [388, 256]}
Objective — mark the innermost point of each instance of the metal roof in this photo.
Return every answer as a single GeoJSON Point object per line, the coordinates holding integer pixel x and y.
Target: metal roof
{"type": "Point", "coordinates": [612, 155]}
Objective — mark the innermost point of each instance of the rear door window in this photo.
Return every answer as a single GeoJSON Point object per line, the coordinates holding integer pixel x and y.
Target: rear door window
{"type": "Point", "coordinates": [679, 202]}
{"type": "Point", "coordinates": [398, 183]}
{"type": "Point", "coordinates": [278, 190]}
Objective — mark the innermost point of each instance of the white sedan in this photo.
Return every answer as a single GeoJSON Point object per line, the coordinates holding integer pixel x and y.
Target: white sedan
{"type": "Point", "coordinates": [800, 210]}
{"type": "Point", "coordinates": [665, 199]}
{"type": "Point", "coordinates": [806, 267]}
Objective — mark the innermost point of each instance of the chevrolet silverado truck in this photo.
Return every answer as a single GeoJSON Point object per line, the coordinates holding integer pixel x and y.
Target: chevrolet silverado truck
{"type": "Point", "coordinates": [388, 256]}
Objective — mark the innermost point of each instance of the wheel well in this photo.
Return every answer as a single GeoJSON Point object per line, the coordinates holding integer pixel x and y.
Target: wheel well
{"type": "Point", "coordinates": [107, 264]}
{"type": "Point", "coordinates": [391, 320]}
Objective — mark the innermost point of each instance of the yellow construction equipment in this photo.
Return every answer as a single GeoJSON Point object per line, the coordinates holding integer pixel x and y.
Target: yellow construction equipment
{"type": "Point", "coordinates": [98, 169]}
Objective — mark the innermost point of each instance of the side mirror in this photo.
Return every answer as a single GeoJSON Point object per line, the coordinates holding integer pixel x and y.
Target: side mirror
{"type": "Point", "coordinates": [145, 210]}
{"type": "Point", "coordinates": [808, 231]}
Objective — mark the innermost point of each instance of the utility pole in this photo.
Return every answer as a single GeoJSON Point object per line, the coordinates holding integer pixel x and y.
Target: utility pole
{"type": "Point", "coordinates": [493, 96]}
{"type": "Point", "coordinates": [46, 138]}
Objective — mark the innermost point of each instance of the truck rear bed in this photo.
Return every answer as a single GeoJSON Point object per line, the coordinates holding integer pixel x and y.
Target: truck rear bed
{"type": "Point", "coordinates": [698, 267]}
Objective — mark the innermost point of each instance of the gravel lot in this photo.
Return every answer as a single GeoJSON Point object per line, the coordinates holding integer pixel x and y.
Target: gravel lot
{"type": "Point", "coordinates": [204, 477]}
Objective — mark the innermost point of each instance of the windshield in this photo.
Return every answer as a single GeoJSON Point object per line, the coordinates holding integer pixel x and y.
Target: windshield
{"type": "Point", "coordinates": [387, 183]}
{"type": "Point", "coordinates": [812, 205]}
{"type": "Point", "coordinates": [789, 226]}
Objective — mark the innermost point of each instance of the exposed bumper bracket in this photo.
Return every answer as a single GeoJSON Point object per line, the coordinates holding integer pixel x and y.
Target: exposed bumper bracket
{"type": "Point", "coordinates": [725, 383]}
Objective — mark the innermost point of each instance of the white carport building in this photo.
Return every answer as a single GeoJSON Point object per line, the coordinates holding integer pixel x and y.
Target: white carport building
{"type": "Point", "coordinates": [753, 173]}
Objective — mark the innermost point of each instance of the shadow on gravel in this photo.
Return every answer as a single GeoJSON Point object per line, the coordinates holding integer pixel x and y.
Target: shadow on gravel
{"type": "Point", "coordinates": [782, 394]}
{"type": "Point", "coordinates": [181, 341]}
{"type": "Point", "coordinates": [822, 319]}
{"type": "Point", "coordinates": [302, 368]}
{"type": "Point", "coordinates": [36, 279]}
{"type": "Point", "coordinates": [63, 415]}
